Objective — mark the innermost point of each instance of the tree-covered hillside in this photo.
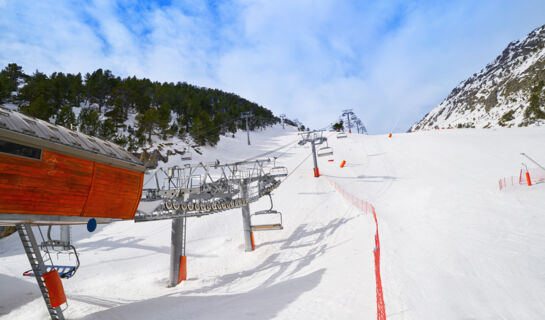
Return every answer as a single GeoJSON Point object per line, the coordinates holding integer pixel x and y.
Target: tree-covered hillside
{"type": "Point", "coordinates": [99, 104]}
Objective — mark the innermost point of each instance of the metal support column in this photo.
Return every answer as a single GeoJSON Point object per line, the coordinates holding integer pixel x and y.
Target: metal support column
{"type": "Point", "coordinates": [348, 113]}
{"type": "Point", "coordinates": [38, 267]}
{"type": "Point", "coordinates": [316, 170]}
{"type": "Point", "coordinates": [66, 236]}
{"type": "Point", "coordinates": [283, 117]}
{"type": "Point", "coordinates": [247, 115]}
{"type": "Point", "coordinates": [246, 226]}
{"type": "Point", "coordinates": [178, 271]}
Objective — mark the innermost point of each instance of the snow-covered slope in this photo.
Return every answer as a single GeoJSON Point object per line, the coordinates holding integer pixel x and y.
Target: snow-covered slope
{"type": "Point", "coordinates": [499, 95]}
{"type": "Point", "coordinates": [453, 246]}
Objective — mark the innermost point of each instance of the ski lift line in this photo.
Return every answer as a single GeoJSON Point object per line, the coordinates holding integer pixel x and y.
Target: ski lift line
{"type": "Point", "coordinates": [535, 162]}
{"type": "Point", "coordinates": [224, 124]}
{"type": "Point", "coordinates": [297, 167]}
{"type": "Point", "coordinates": [152, 173]}
{"type": "Point", "coordinates": [292, 144]}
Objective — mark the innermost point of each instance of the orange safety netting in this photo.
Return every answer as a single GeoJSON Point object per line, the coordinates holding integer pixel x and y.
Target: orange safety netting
{"type": "Point", "coordinates": [366, 207]}
{"type": "Point", "coordinates": [526, 177]}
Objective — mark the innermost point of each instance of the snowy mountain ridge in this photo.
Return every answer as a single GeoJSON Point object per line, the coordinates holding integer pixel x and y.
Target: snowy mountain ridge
{"type": "Point", "coordinates": [507, 92]}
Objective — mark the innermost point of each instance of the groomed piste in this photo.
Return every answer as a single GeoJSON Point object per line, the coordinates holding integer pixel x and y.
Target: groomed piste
{"type": "Point", "coordinates": [452, 245]}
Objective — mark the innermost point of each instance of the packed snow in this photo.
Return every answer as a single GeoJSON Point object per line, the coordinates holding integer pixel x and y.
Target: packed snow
{"type": "Point", "coordinates": [453, 246]}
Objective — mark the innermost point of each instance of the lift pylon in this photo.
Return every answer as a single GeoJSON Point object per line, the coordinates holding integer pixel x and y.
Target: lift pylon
{"type": "Point", "coordinates": [178, 259]}
{"type": "Point", "coordinates": [315, 138]}
{"type": "Point", "coordinates": [206, 188]}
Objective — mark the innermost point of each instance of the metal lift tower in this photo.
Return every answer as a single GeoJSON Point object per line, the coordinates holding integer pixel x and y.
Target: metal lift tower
{"type": "Point", "coordinates": [283, 117]}
{"type": "Point", "coordinates": [203, 189]}
{"type": "Point", "coordinates": [315, 138]}
{"type": "Point", "coordinates": [246, 115]}
{"type": "Point", "coordinates": [348, 113]}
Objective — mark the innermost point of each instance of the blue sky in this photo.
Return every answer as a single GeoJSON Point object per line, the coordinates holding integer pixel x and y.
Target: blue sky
{"type": "Point", "coordinates": [390, 61]}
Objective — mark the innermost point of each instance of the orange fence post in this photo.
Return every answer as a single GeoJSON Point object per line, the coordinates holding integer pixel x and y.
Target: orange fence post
{"type": "Point", "coordinates": [528, 178]}
{"type": "Point", "coordinates": [54, 287]}
{"type": "Point", "coordinates": [343, 163]}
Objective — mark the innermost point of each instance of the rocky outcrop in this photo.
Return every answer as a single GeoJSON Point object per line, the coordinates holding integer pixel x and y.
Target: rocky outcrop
{"type": "Point", "coordinates": [507, 92]}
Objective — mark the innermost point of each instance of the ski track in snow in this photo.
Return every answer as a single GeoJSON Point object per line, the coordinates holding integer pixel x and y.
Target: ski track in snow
{"type": "Point", "coordinates": [452, 245]}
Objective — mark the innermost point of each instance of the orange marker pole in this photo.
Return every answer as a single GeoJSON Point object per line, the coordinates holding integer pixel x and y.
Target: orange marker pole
{"type": "Point", "coordinates": [253, 241]}
{"type": "Point", "coordinates": [390, 135]}
{"type": "Point", "coordinates": [343, 163]}
{"type": "Point", "coordinates": [528, 179]}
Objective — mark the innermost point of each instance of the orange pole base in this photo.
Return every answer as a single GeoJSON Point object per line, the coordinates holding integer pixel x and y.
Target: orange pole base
{"type": "Point", "coordinates": [390, 135]}
{"type": "Point", "coordinates": [343, 163]}
{"type": "Point", "coordinates": [253, 241]}
{"type": "Point", "coordinates": [54, 287]}
{"type": "Point", "coordinates": [182, 275]}
{"type": "Point", "coordinates": [316, 172]}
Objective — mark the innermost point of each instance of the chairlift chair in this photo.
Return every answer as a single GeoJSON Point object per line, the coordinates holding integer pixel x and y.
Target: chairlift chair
{"type": "Point", "coordinates": [341, 135]}
{"type": "Point", "coordinates": [278, 171]}
{"type": "Point", "coordinates": [325, 151]}
{"type": "Point", "coordinates": [60, 247]}
{"type": "Point", "coordinates": [276, 225]}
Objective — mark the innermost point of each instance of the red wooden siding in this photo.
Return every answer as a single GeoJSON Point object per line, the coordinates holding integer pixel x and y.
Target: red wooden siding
{"type": "Point", "coordinates": [63, 185]}
{"type": "Point", "coordinates": [115, 193]}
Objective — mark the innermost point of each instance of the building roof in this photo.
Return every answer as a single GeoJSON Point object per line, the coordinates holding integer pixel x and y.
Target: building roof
{"type": "Point", "coordinates": [63, 140]}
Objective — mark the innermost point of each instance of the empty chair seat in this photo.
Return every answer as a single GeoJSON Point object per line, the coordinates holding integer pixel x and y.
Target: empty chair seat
{"type": "Point", "coordinates": [64, 272]}
{"type": "Point", "coordinates": [266, 227]}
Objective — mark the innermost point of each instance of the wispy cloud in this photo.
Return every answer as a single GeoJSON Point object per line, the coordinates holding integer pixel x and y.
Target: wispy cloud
{"type": "Point", "coordinates": [388, 60]}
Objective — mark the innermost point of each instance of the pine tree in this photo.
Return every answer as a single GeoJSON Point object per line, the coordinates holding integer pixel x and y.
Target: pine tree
{"type": "Point", "coordinates": [107, 130]}
{"type": "Point", "coordinates": [38, 108]}
{"type": "Point", "coordinates": [147, 122]}
{"type": "Point", "coordinates": [89, 121]}
{"type": "Point", "coordinates": [66, 117]}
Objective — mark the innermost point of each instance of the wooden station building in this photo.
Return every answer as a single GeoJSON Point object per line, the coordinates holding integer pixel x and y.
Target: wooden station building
{"type": "Point", "coordinates": [53, 175]}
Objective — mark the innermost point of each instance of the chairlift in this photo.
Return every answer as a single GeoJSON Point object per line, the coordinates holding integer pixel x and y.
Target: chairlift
{"type": "Point", "coordinates": [325, 151]}
{"type": "Point", "coordinates": [61, 248]}
{"type": "Point", "coordinates": [278, 171]}
{"type": "Point", "coordinates": [341, 135]}
{"type": "Point", "coordinates": [273, 225]}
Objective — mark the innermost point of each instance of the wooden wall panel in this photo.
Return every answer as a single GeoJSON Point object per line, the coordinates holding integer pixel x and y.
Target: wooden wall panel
{"type": "Point", "coordinates": [115, 193]}
{"type": "Point", "coordinates": [64, 185]}
{"type": "Point", "coordinates": [54, 185]}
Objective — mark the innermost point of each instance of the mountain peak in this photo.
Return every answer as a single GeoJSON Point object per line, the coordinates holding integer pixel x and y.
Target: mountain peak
{"type": "Point", "coordinates": [507, 92]}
